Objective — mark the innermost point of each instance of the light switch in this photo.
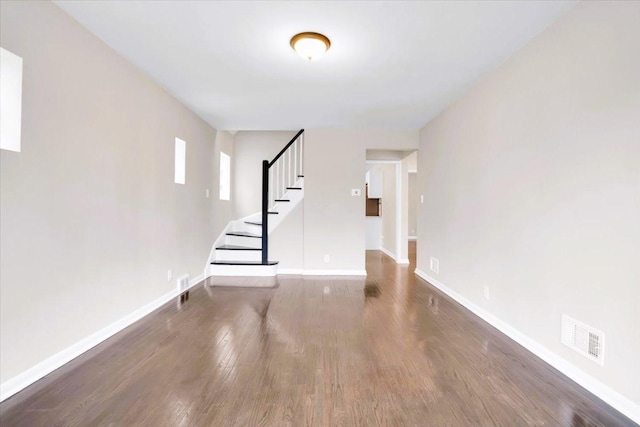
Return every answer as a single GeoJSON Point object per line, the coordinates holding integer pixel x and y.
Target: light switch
{"type": "Point", "coordinates": [421, 198]}
{"type": "Point", "coordinates": [355, 191]}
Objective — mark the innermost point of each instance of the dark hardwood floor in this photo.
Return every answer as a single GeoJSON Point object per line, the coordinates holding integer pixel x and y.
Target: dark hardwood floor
{"type": "Point", "coordinates": [315, 351]}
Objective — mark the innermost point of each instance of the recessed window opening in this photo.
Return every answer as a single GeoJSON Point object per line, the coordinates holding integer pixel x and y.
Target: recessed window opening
{"type": "Point", "coordinates": [181, 161]}
{"type": "Point", "coordinates": [10, 100]}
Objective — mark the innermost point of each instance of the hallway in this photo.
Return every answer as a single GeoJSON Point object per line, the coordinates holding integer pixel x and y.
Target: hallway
{"type": "Point", "coordinates": [317, 351]}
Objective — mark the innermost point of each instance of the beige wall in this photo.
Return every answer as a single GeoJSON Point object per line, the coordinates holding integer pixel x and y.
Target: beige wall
{"type": "Point", "coordinates": [286, 242]}
{"type": "Point", "coordinates": [388, 154]}
{"type": "Point", "coordinates": [389, 207]}
{"type": "Point", "coordinates": [91, 219]}
{"type": "Point", "coordinates": [380, 143]}
{"type": "Point", "coordinates": [412, 161]}
{"type": "Point", "coordinates": [333, 220]}
{"type": "Point", "coordinates": [334, 223]}
{"type": "Point", "coordinates": [413, 199]}
{"type": "Point", "coordinates": [251, 148]}
{"type": "Point", "coordinates": [532, 187]}
{"type": "Point", "coordinates": [407, 164]}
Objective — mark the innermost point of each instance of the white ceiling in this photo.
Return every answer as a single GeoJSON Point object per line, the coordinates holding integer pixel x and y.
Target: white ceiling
{"type": "Point", "coordinates": [392, 65]}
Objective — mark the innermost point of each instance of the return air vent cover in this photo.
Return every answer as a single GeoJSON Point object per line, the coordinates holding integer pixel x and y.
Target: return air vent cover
{"type": "Point", "coordinates": [434, 265]}
{"type": "Point", "coordinates": [183, 282]}
{"type": "Point", "coordinates": [583, 338]}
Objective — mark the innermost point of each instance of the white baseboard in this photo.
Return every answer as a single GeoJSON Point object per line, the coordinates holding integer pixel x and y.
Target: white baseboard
{"type": "Point", "coordinates": [335, 272]}
{"type": "Point", "coordinates": [197, 280]}
{"type": "Point", "coordinates": [604, 392]}
{"type": "Point", "coordinates": [388, 253]}
{"type": "Point", "coordinates": [33, 374]}
{"type": "Point", "coordinates": [391, 255]}
{"type": "Point", "coordinates": [292, 271]}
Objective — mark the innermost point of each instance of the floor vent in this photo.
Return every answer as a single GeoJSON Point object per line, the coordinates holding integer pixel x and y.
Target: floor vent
{"type": "Point", "coordinates": [583, 338]}
{"type": "Point", "coordinates": [183, 282]}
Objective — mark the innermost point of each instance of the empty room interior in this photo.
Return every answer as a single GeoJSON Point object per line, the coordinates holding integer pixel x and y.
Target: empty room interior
{"type": "Point", "coordinates": [376, 213]}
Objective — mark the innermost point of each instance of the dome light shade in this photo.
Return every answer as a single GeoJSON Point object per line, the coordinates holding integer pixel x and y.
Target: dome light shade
{"type": "Point", "coordinates": [310, 45]}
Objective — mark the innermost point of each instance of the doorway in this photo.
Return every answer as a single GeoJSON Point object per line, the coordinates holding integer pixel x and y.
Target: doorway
{"type": "Point", "coordinates": [387, 187]}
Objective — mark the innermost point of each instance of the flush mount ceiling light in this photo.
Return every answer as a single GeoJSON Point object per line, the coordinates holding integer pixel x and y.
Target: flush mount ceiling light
{"type": "Point", "coordinates": [310, 45]}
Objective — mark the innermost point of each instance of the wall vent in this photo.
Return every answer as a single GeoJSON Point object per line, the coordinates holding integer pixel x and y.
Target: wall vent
{"type": "Point", "coordinates": [183, 282]}
{"type": "Point", "coordinates": [583, 338]}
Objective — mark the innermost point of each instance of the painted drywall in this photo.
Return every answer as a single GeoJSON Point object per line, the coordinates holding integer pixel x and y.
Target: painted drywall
{"type": "Point", "coordinates": [333, 219]}
{"type": "Point", "coordinates": [373, 227]}
{"type": "Point", "coordinates": [407, 164]}
{"type": "Point", "coordinates": [412, 161]}
{"type": "Point", "coordinates": [413, 200]}
{"type": "Point", "coordinates": [380, 141]}
{"type": "Point", "coordinates": [286, 242]}
{"type": "Point", "coordinates": [91, 219]}
{"type": "Point", "coordinates": [388, 208]}
{"type": "Point", "coordinates": [388, 154]}
{"type": "Point", "coordinates": [532, 184]}
{"type": "Point", "coordinates": [251, 148]}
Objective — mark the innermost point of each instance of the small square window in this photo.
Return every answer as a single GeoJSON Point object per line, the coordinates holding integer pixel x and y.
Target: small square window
{"type": "Point", "coordinates": [181, 161]}
{"type": "Point", "coordinates": [10, 100]}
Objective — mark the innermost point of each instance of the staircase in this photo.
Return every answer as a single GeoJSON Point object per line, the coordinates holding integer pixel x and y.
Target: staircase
{"type": "Point", "coordinates": [243, 247]}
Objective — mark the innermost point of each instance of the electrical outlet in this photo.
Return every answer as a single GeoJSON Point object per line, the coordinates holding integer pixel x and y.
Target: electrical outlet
{"type": "Point", "coordinates": [434, 265]}
{"type": "Point", "coordinates": [486, 292]}
{"type": "Point", "coordinates": [327, 258]}
{"type": "Point", "coordinates": [206, 193]}
{"type": "Point", "coordinates": [169, 275]}
{"type": "Point", "coordinates": [421, 198]}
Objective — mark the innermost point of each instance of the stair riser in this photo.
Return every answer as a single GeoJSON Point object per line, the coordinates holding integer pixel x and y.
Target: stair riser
{"type": "Point", "coordinates": [255, 229]}
{"type": "Point", "coordinates": [233, 270]}
{"type": "Point", "coordinates": [251, 242]}
{"type": "Point", "coordinates": [268, 281]}
{"type": "Point", "coordinates": [239, 255]}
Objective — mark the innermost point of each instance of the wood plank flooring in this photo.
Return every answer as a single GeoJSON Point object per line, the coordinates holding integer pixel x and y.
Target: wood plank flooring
{"type": "Point", "coordinates": [388, 350]}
